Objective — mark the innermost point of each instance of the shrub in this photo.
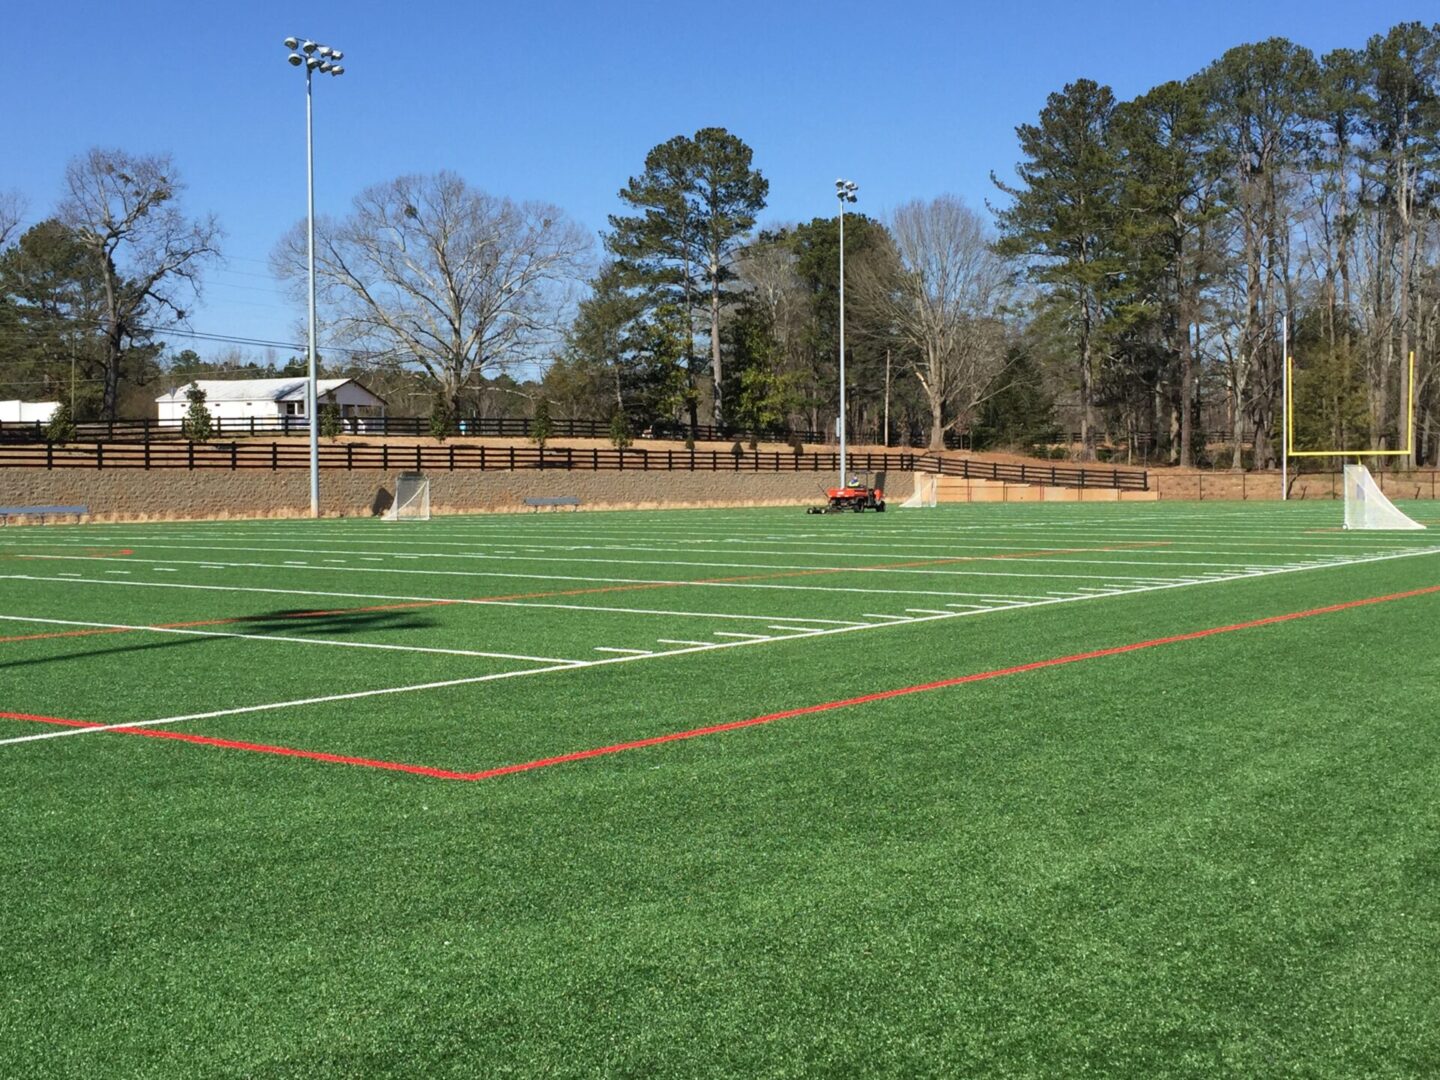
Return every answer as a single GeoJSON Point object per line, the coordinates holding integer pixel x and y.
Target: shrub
{"type": "Point", "coordinates": [330, 423]}
{"type": "Point", "coordinates": [540, 427]}
{"type": "Point", "coordinates": [620, 435]}
{"type": "Point", "coordinates": [197, 424]}
{"type": "Point", "coordinates": [61, 428]}
{"type": "Point", "coordinates": [441, 418]}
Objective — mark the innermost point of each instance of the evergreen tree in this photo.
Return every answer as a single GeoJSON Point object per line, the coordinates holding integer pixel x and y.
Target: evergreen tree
{"type": "Point", "coordinates": [1064, 221]}
{"type": "Point", "coordinates": [330, 422]}
{"type": "Point", "coordinates": [540, 426]}
{"type": "Point", "coordinates": [696, 199]}
{"type": "Point", "coordinates": [197, 422]}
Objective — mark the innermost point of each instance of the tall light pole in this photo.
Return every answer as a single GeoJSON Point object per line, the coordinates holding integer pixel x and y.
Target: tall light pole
{"type": "Point", "coordinates": [322, 58]}
{"type": "Point", "coordinates": [845, 192]}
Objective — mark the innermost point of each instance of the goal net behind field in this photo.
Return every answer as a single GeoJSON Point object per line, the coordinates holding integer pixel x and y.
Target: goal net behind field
{"type": "Point", "coordinates": [926, 486]}
{"type": "Point", "coordinates": [1366, 506]}
{"type": "Point", "coordinates": [412, 499]}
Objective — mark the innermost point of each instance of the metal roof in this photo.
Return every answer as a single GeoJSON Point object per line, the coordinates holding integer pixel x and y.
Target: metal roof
{"type": "Point", "coordinates": [291, 389]}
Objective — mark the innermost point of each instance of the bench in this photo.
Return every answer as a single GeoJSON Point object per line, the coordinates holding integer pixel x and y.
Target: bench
{"type": "Point", "coordinates": [535, 502]}
{"type": "Point", "coordinates": [7, 512]}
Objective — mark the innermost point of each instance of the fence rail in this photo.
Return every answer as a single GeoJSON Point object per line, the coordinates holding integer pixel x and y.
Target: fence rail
{"type": "Point", "coordinates": [1052, 475]}
{"type": "Point", "coordinates": [425, 458]}
{"type": "Point", "coordinates": [222, 427]}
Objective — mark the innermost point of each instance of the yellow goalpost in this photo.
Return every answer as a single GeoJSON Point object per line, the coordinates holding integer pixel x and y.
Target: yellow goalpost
{"type": "Point", "coordinates": [1289, 444]}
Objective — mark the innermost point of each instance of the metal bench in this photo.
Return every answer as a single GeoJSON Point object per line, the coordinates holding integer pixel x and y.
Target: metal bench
{"type": "Point", "coordinates": [42, 512]}
{"type": "Point", "coordinates": [535, 502]}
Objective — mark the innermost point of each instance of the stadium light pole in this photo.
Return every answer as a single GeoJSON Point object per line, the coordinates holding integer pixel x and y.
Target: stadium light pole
{"type": "Point", "coordinates": [845, 192]}
{"type": "Point", "coordinates": [313, 57]}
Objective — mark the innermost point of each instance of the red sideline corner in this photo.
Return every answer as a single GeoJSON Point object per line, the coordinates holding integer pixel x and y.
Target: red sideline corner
{"type": "Point", "coordinates": [733, 725]}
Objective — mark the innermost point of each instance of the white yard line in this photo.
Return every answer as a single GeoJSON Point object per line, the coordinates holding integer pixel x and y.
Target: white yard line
{"type": "Point", "coordinates": [580, 665]}
{"type": "Point", "coordinates": [191, 632]}
{"type": "Point", "coordinates": [944, 564]}
{"type": "Point", "coordinates": [628, 652]}
{"type": "Point", "coordinates": [441, 601]}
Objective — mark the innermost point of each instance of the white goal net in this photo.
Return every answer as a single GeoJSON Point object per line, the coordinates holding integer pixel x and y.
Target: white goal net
{"type": "Point", "coordinates": [926, 485]}
{"type": "Point", "coordinates": [412, 499]}
{"type": "Point", "coordinates": [1366, 506]}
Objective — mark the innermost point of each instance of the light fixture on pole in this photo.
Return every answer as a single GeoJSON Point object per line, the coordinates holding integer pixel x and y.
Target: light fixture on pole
{"type": "Point", "coordinates": [312, 57]}
{"type": "Point", "coordinates": [845, 192]}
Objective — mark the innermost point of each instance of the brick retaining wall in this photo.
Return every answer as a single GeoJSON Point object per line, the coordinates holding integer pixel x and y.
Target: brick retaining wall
{"type": "Point", "coordinates": [169, 494]}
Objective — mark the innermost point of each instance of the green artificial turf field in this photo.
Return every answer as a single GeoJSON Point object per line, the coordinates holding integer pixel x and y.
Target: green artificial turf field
{"type": "Point", "coordinates": [282, 798]}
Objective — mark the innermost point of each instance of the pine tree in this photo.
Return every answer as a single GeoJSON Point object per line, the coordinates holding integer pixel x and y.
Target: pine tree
{"type": "Point", "coordinates": [540, 426]}
{"type": "Point", "coordinates": [697, 198]}
{"type": "Point", "coordinates": [197, 423]}
{"type": "Point", "coordinates": [1064, 222]}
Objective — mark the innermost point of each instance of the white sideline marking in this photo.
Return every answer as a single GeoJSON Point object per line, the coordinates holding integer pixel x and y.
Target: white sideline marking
{"type": "Point", "coordinates": [750, 637]}
{"type": "Point", "coordinates": [894, 618]}
{"type": "Point", "coordinates": [797, 629]}
{"type": "Point", "coordinates": [292, 640]}
{"type": "Point", "coordinates": [926, 611]}
{"type": "Point", "coordinates": [710, 647]}
{"type": "Point", "coordinates": [678, 641]}
{"type": "Point", "coordinates": [629, 652]}
{"type": "Point", "coordinates": [116, 572]}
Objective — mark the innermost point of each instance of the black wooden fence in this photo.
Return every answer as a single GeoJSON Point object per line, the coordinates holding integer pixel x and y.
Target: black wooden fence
{"type": "Point", "coordinates": [431, 458]}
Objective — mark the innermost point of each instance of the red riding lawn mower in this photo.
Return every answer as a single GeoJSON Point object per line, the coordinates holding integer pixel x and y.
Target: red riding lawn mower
{"type": "Point", "coordinates": [853, 496]}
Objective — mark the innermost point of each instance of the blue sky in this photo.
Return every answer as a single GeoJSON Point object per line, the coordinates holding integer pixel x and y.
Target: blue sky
{"type": "Point", "coordinates": [560, 101]}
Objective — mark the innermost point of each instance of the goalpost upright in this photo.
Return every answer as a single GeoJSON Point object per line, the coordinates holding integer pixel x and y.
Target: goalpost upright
{"type": "Point", "coordinates": [1374, 507]}
{"type": "Point", "coordinates": [1288, 399]}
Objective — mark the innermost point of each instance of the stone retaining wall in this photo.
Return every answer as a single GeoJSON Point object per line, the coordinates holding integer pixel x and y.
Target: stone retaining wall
{"type": "Point", "coordinates": [1246, 487]}
{"type": "Point", "coordinates": [173, 494]}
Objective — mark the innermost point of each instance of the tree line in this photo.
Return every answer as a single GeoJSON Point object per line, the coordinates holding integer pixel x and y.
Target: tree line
{"type": "Point", "coordinates": [1128, 284]}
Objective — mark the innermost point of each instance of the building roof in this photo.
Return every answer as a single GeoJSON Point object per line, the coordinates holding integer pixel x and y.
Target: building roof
{"type": "Point", "coordinates": [290, 389]}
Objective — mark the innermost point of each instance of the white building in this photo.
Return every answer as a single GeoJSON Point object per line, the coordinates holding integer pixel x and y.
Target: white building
{"type": "Point", "coordinates": [27, 412]}
{"type": "Point", "coordinates": [272, 403]}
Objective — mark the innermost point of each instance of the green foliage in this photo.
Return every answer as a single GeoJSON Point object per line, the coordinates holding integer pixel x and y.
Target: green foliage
{"type": "Point", "coordinates": [331, 424]}
{"type": "Point", "coordinates": [1016, 410]}
{"type": "Point", "coordinates": [1064, 219]}
{"type": "Point", "coordinates": [767, 394]}
{"type": "Point", "coordinates": [442, 418]}
{"type": "Point", "coordinates": [621, 435]}
{"type": "Point", "coordinates": [52, 297]}
{"type": "Point", "coordinates": [197, 423]}
{"type": "Point", "coordinates": [540, 426]}
{"type": "Point", "coordinates": [61, 428]}
{"type": "Point", "coordinates": [696, 199]}
{"type": "Point", "coordinates": [1330, 392]}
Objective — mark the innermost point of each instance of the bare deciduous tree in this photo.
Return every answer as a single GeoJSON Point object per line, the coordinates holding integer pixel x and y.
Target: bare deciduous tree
{"type": "Point", "coordinates": [431, 272]}
{"type": "Point", "coordinates": [122, 209]}
{"type": "Point", "coordinates": [12, 212]}
{"type": "Point", "coordinates": [941, 296]}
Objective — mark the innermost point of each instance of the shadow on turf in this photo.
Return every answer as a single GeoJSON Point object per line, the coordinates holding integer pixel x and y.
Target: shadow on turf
{"type": "Point", "coordinates": [292, 622]}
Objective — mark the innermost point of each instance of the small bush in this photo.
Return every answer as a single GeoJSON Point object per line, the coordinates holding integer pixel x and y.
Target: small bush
{"type": "Point", "coordinates": [61, 428]}
{"type": "Point", "coordinates": [441, 420]}
{"type": "Point", "coordinates": [541, 427]}
{"type": "Point", "coordinates": [797, 444]}
{"type": "Point", "coordinates": [197, 423]}
{"type": "Point", "coordinates": [736, 450]}
{"type": "Point", "coordinates": [330, 422]}
{"type": "Point", "coordinates": [620, 435]}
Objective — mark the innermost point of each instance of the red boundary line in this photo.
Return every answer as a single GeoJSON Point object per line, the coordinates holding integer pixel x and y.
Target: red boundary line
{"type": "Point", "coordinates": [733, 725]}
